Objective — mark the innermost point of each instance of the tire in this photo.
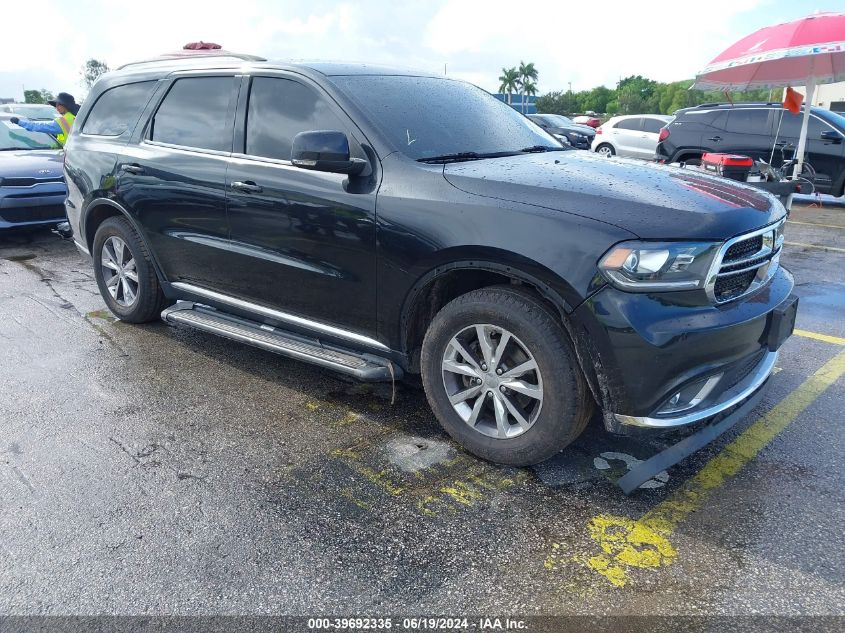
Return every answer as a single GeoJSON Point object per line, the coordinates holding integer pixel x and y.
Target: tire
{"type": "Point", "coordinates": [605, 149]}
{"type": "Point", "coordinates": [553, 422]}
{"type": "Point", "coordinates": [144, 300]}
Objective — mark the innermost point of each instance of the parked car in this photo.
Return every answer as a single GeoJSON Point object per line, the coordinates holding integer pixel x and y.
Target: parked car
{"type": "Point", "coordinates": [33, 111]}
{"type": "Point", "coordinates": [589, 120]}
{"type": "Point", "coordinates": [578, 136]}
{"type": "Point", "coordinates": [631, 136]}
{"type": "Point", "coordinates": [328, 213]}
{"type": "Point", "coordinates": [32, 188]}
{"type": "Point", "coordinates": [762, 131]}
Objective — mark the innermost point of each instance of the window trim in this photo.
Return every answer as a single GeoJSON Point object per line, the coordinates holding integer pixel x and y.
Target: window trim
{"type": "Point", "coordinates": [230, 111]}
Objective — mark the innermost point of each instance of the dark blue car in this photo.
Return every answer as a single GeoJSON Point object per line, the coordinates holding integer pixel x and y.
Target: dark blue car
{"type": "Point", "coordinates": [32, 188]}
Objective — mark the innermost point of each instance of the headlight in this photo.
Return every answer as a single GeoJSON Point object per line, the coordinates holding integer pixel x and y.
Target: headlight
{"type": "Point", "coordinates": [658, 266]}
{"type": "Point", "coordinates": [562, 139]}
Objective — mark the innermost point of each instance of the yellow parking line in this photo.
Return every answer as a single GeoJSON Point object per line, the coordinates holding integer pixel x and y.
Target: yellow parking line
{"type": "Point", "coordinates": [823, 248]}
{"type": "Point", "coordinates": [628, 544]}
{"type": "Point", "coordinates": [820, 337]}
{"type": "Point", "coordinates": [827, 226]}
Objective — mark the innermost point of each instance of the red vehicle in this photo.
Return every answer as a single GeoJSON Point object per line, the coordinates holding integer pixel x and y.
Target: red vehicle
{"type": "Point", "coordinates": [584, 119]}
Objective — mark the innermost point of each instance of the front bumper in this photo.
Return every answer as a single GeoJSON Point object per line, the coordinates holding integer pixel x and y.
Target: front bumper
{"type": "Point", "coordinates": [32, 206]}
{"type": "Point", "coordinates": [646, 348]}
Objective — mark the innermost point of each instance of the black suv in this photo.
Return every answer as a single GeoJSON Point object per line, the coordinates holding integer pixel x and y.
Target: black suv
{"type": "Point", "coordinates": [756, 129]}
{"type": "Point", "coordinates": [379, 222]}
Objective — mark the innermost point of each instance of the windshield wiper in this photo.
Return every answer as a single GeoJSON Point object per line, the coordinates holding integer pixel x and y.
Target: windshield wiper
{"type": "Point", "coordinates": [540, 148]}
{"type": "Point", "coordinates": [451, 158]}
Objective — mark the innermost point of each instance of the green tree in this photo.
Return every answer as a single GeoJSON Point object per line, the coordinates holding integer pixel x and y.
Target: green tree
{"type": "Point", "coordinates": [91, 71]}
{"type": "Point", "coordinates": [32, 96]}
{"type": "Point", "coordinates": [529, 89]}
{"type": "Point", "coordinates": [527, 74]}
{"type": "Point", "coordinates": [597, 99]}
{"type": "Point", "coordinates": [509, 82]}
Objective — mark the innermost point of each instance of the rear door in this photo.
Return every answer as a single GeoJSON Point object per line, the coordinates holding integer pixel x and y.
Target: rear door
{"type": "Point", "coordinates": [650, 133]}
{"type": "Point", "coordinates": [750, 132]}
{"type": "Point", "coordinates": [302, 241]}
{"type": "Point", "coordinates": [626, 137]}
{"type": "Point", "coordinates": [174, 178]}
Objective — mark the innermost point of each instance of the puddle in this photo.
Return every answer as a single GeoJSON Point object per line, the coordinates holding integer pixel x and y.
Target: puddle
{"type": "Point", "coordinates": [21, 258]}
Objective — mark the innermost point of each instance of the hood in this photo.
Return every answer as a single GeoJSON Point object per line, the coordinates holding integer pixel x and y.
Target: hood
{"type": "Point", "coordinates": [31, 163]}
{"type": "Point", "coordinates": [650, 200]}
{"type": "Point", "coordinates": [586, 130]}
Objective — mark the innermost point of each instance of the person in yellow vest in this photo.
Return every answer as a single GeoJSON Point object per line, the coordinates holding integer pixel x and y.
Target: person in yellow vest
{"type": "Point", "coordinates": [66, 106]}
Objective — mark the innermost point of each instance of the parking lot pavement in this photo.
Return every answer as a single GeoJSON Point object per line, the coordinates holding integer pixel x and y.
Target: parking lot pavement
{"type": "Point", "coordinates": [149, 469]}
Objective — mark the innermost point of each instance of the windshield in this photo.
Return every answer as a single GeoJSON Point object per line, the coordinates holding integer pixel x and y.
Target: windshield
{"type": "Point", "coordinates": [43, 112]}
{"type": "Point", "coordinates": [423, 117]}
{"type": "Point", "coordinates": [15, 137]}
{"type": "Point", "coordinates": [558, 119]}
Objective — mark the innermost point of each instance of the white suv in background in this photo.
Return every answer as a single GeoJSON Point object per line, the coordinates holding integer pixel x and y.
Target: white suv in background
{"type": "Point", "coordinates": [632, 136]}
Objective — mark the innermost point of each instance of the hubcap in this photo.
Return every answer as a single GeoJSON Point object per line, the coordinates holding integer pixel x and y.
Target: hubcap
{"type": "Point", "coordinates": [492, 381]}
{"type": "Point", "coordinates": [604, 151]}
{"type": "Point", "coordinates": [119, 271]}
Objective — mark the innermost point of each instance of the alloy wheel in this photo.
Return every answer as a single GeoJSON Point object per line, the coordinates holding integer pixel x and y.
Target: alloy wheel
{"type": "Point", "coordinates": [492, 381]}
{"type": "Point", "coordinates": [119, 271]}
{"type": "Point", "coordinates": [605, 151]}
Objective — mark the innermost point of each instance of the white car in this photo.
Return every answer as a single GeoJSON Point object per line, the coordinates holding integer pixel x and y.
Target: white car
{"type": "Point", "coordinates": [632, 136]}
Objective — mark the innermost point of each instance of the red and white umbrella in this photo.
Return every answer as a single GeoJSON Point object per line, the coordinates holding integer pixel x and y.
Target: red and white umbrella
{"type": "Point", "coordinates": [808, 52]}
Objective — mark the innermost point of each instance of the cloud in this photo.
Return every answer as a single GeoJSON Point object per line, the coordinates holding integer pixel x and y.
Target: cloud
{"type": "Point", "coordinates": [662, 39]}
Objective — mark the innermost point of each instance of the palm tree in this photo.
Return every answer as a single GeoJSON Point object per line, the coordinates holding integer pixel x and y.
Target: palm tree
{"type": "Point", "coordinates": [527, 74]}
{"type": "Point", "coordinates": [510, 82]}
{"type": "Point", "coordinates": [529, 89]}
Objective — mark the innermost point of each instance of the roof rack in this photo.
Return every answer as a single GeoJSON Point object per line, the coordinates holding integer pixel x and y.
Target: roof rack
{"type": "Point", "coordinates": [194, 54]}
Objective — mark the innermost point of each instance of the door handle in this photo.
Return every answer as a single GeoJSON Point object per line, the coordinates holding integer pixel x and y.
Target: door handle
{"type": "Point", "coordinates": [247, 186]}
{"type": "Point", "coordinates": [132, 169]}
{"type": "Point", "coordinates": [715, 138]}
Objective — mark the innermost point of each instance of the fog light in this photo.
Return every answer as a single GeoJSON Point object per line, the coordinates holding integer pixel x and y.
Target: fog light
{"type": "Point", "coordinates": [690, 396]}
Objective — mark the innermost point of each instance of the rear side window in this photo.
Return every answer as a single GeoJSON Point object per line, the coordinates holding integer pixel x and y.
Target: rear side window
{"type": "Point", "coordinates": [653, 125]}
{"type": "Point", "coordinates": [749, 121]}
{"type": "Point", "coordinates": [628, 124]}
{"type": "Point", "coordinates": [118, 108]}
{"type": "Point", "coordinates": [279, 109]}
{"type": "Point", "coordinates": [196, 113]}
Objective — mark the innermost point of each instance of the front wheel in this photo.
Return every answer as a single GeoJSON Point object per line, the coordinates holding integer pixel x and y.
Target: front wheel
{"type": "Point", "coordinates": [502, 379]}
{"type": "Point", "coordinates": [605, 150]}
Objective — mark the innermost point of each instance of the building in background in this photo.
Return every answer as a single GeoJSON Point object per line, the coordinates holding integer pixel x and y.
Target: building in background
{"type": "Point", "coordinates": [7, 99]}
{"type": "Point", "coordinates": [830, 96]}
{"type": "Point", "coordinates": [516, 102]}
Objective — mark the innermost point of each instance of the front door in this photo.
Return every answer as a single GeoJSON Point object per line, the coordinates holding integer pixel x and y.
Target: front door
{"type": "Point", "coordinates": [174, 180]}
{"type": "Point", "coordinates": [302, 241]}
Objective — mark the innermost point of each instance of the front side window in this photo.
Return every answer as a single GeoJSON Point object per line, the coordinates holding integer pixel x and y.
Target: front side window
{"type": "Point", "coordinates": [195, 113]}
{"type": "Point", "coordinates": [425, 117]}
{"type": "Point", "coordinates": [628, 124]}
{"type": "Point", "coordinates": [118, 108]}
{"type": "Point", "coordinates": [278, 110]}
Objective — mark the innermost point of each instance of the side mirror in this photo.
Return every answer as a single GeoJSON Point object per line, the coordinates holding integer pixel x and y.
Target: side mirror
{"type": "Point", "coordinates": [325, 150]}
{"type": "Point", "coordinates": [831, 136]}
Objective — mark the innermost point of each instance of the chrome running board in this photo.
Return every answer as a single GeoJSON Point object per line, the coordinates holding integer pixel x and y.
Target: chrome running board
{"type": "Point", "coordinates": [364, 367]}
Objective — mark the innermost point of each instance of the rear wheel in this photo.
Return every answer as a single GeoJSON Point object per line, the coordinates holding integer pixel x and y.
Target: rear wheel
{"type": "Point", "coordinates": [605, 150]}
{"type": "Point", "coordinates": [124, 272]}
{"type": "Point", "coordinates": [501, 377]}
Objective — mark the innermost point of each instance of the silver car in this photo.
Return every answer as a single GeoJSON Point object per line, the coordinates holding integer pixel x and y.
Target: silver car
{"type": "Point", "coordinates": [632, 136]}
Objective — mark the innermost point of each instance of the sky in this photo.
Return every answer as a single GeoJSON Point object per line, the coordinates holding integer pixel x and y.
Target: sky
{"type": "Point", "coordinates": [584, 43]}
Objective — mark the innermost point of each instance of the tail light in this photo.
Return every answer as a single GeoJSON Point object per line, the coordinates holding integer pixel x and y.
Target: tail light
{"type": "Point", "coordinates": [598, 130]}
{"type": "Point", "coordinates": [664, 134]}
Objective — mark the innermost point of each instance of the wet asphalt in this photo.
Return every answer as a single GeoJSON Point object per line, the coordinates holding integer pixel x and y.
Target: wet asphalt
{"type": "Point", "coordinates": [156, 470]}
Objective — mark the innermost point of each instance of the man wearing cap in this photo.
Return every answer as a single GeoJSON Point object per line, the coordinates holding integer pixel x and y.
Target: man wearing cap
{"type": "Point", "coordinates": [66, 106]}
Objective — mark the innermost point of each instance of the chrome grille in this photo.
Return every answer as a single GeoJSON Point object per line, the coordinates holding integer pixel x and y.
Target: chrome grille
{"type": "Point", "coordinates": [745, 263]}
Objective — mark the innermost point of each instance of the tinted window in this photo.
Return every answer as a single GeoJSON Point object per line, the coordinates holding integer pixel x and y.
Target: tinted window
{"type": "Point", "coordinates": [195, 114]}
{"type": "Point", "coordinates": [279, 109]}
{"type": "Point", "coordinates": [749, 121]}
{"type": "Point", "coordinates": [118, 108]}
{"type": "Point", "coordinates": [790, 127]}
{"type": "Point", "coordinates": [653, 125]}
{"type": "Point", "coordinates": [428, 116]}
{"type": "Point", "coordinates": [629, 124]}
